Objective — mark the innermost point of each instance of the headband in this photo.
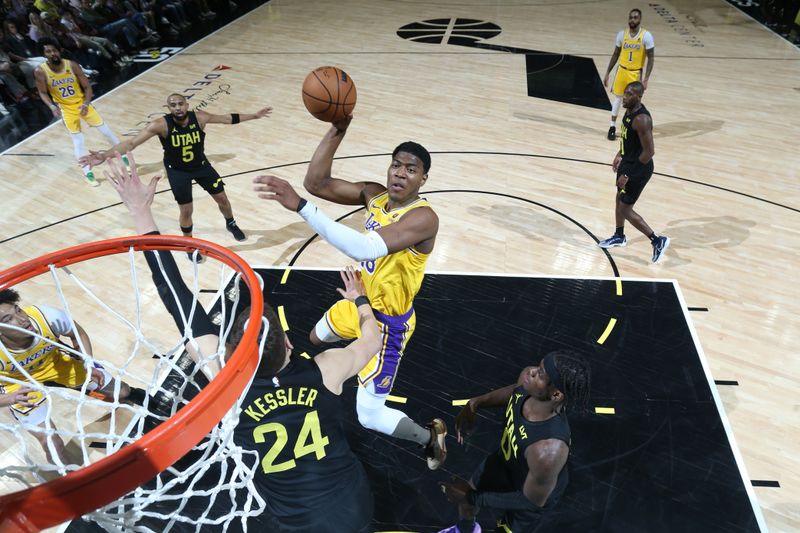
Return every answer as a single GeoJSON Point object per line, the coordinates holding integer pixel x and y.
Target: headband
{"type": "Point", "coordinates": [552, 371]}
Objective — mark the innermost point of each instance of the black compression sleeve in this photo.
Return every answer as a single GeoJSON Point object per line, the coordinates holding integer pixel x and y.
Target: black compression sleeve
{"type": "Point", "coordinates": [505, 500]}
{"type": "Point", "coordinates": [201, 324]}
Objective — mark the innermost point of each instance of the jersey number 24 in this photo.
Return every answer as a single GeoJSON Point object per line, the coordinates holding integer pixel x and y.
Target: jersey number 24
{"type": "Point", "coordinates": [310, 440]}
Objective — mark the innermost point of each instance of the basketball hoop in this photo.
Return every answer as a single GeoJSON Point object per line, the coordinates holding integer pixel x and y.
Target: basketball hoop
{"type": "Point", "coordinates": [93, 486]}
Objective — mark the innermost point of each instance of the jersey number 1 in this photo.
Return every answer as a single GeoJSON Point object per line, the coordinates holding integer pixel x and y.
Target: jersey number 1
{"type": "Point", "coordinates": [310, 440]}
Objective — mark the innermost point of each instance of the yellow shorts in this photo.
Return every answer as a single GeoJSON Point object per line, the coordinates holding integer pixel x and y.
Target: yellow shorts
{"type": "Point", "coordinates": [342, 319]}
{"type": "Point", "coordinates": [71, 115]}
{"type": "Point", "coordinates": [63, 370]}
{"type": "Point", "coordinates": [623, 78]}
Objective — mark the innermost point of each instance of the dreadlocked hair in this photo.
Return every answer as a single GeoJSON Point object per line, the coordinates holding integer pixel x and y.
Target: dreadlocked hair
{"type": "Point", "coordinates": [576, 378]}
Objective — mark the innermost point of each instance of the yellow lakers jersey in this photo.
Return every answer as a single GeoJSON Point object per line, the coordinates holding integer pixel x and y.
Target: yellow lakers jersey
{"type": "Point", "coordinates": [633, 53]}
{"type": "Point", "coordinates": [392, 281]}
{"type": "Point", "coordinates": [64, 87]}
{"type": "Point", "coordinates": [38, 356]}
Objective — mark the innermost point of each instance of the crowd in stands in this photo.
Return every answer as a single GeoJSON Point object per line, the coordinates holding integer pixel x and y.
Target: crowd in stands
{"type": "Point", "coordinates": [98, 34]}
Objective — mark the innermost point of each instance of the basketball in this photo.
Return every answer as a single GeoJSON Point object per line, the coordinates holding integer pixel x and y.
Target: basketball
{"type": "Point", "coordinates": [329, 93]}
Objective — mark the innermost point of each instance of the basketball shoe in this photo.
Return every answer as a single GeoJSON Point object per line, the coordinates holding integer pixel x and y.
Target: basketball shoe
{"type": "Point", "coordinates": [454, 529]}
{"type": "Point", "coordinates": [237, 233]}
{"type": "Point", "coordinates": [90, 179]}
{"type": "Point", "coordinates": [436, 450]}
{"type": "Point", "coordinates": [614, 240]}
{"type": "Point", "coordinates": [612, 133]}
{"type": "Point", "coordinates": [659, 247]}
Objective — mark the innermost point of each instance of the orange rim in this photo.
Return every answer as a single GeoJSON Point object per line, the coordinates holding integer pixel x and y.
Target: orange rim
{"type": "Point", "coordinates": [93, 486]}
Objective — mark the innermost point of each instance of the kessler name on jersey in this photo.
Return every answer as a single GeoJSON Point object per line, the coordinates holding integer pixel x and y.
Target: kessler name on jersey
{"type": "Point", "coordinates": [272, 400]}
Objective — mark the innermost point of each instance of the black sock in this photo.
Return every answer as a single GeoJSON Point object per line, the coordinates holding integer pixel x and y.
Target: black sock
{"type": "Point", "coordinates": [467, 525]}
{"type": "Point", "coordinates": [230, 221]}
{"type": "Point", "coordinates": [620, 232]}
{"type": "Point", "coordinates": [653, 237]}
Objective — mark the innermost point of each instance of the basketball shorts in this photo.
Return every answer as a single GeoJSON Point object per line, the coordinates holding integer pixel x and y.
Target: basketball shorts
{"type": "Point", "coordinates": [490, 477]}
{"type": "Point", "coordinates": [341, 322]}
{"type": "Point", "coordinates": [623, 78]}
{"type": "Point", "coordinates": [638, 176]}
{"type": "Point", "coordinates": [350, 511]}
{"type": "Point", "coordinates": [181, 181]}
{"type": "Point", "coordinates": [71, 115]}
{"type": "Point", "coordinates": [63, 370]}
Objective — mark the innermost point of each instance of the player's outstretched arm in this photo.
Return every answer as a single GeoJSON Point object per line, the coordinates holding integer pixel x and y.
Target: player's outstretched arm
{"type": "Point", "coordinates": [340, 364]}
{"type": "Point", "coordinates": [465, 419]}
{"type": "Point", "coordinates": [231, 118]}
{"type": "Point", "coordinates": [358, 246]}
{"type": "Point", "coordinates": [320, 183]}
{"type": "Point", "coordinates": [175, 295]}
{"type": "Point", "coordinates": [154, 128]}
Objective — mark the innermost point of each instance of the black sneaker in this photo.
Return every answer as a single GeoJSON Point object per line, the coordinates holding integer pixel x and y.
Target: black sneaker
{"type": "Point", "coordinates": [659, 247]}
{"type": "Point", "coordinates": [237, 233]}
{"type": "Point", "coordinates": [612, 133]}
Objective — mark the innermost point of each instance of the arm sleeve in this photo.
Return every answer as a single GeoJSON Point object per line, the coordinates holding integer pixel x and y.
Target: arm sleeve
{"type": "Point", "coordinates": [59, 321]}
{"type": "Point", "coordinates": [649, 43]}
{"type": "Point", "coordinates": [179, 304]}
{"type": "Point", "coordinates": [619, 39]}
{"type": "Point", "coordinates": [505, 500]}
{"type": "Point", "coordinates": [358, 246]}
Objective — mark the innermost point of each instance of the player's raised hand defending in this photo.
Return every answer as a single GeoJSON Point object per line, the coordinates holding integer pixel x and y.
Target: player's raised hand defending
{"type": "Point", "coordinates": [353, 286]}
{"type": "Point", "coordinates": [136, 196]}
{"type": "Point", "coordinates": [275, 188]}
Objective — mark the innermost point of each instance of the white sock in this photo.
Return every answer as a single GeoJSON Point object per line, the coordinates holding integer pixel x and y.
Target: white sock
{"type": "Point", "coordinates": [105, 130]}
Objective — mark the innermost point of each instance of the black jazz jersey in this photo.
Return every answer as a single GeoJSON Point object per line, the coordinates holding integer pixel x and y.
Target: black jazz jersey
{"type": "Point", "coordinates": [184, 145]}
{"type": "Point", "coordinates": [520, 433]}
{"type": "Point", "coordinates": [294, 423]}
{"type": "Point", "coordinates": [629, 144]}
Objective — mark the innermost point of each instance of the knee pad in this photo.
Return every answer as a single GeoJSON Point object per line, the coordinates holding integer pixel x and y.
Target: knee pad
{"type": "Point", "coordinates": [373, 413]}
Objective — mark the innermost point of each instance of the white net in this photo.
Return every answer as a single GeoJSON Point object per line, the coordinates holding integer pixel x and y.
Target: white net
{"type": "Point", "coordinates": [131, 336]}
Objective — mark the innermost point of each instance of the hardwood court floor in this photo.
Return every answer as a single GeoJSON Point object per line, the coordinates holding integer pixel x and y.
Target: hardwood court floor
{"type": "Point", "coordinates": [521, 184]}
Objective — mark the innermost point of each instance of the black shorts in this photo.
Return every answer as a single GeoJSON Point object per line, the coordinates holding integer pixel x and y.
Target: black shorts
{"type": "Point", "coordinates": [490, 477]}
{"type": "Point", "coordinates": [181, 181]}
{"type": "Point", "coordinates": [638, 176]}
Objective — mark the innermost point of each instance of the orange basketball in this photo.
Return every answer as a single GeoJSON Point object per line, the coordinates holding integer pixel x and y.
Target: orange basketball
{"type": "Point", "coordinates": [329, 93]}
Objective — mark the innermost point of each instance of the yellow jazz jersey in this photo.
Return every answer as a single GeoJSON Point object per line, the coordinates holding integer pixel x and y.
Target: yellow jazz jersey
{"type": "Point", "coordinates": [633, 50]}
{"type": "Point", "coordinates": [64, 87]}
{"type": "Point", "coordinates": [392, 281]}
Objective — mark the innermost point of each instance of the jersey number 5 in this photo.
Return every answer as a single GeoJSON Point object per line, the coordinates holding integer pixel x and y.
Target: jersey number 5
{"type": "Point", "coordinates": [310, 440]}
{"type": "Point", "coordinates": [186, 153]}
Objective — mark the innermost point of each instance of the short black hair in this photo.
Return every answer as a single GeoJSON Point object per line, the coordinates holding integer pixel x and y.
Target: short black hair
{"type": "Point", "coordinates": [417, 150]}
{"type": "Point", "coordinates": [47, 41]}
{"type": "Point", "coordinates": [636, 9]}
{"type": "Point", "coordinates": [9, 296]}
{"type": "Point", "coordinates": [636, 86]}
{"type": "Point", "coordinates": [274, 353]}
{"type": "Point", "coordinates": [576, 377]}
